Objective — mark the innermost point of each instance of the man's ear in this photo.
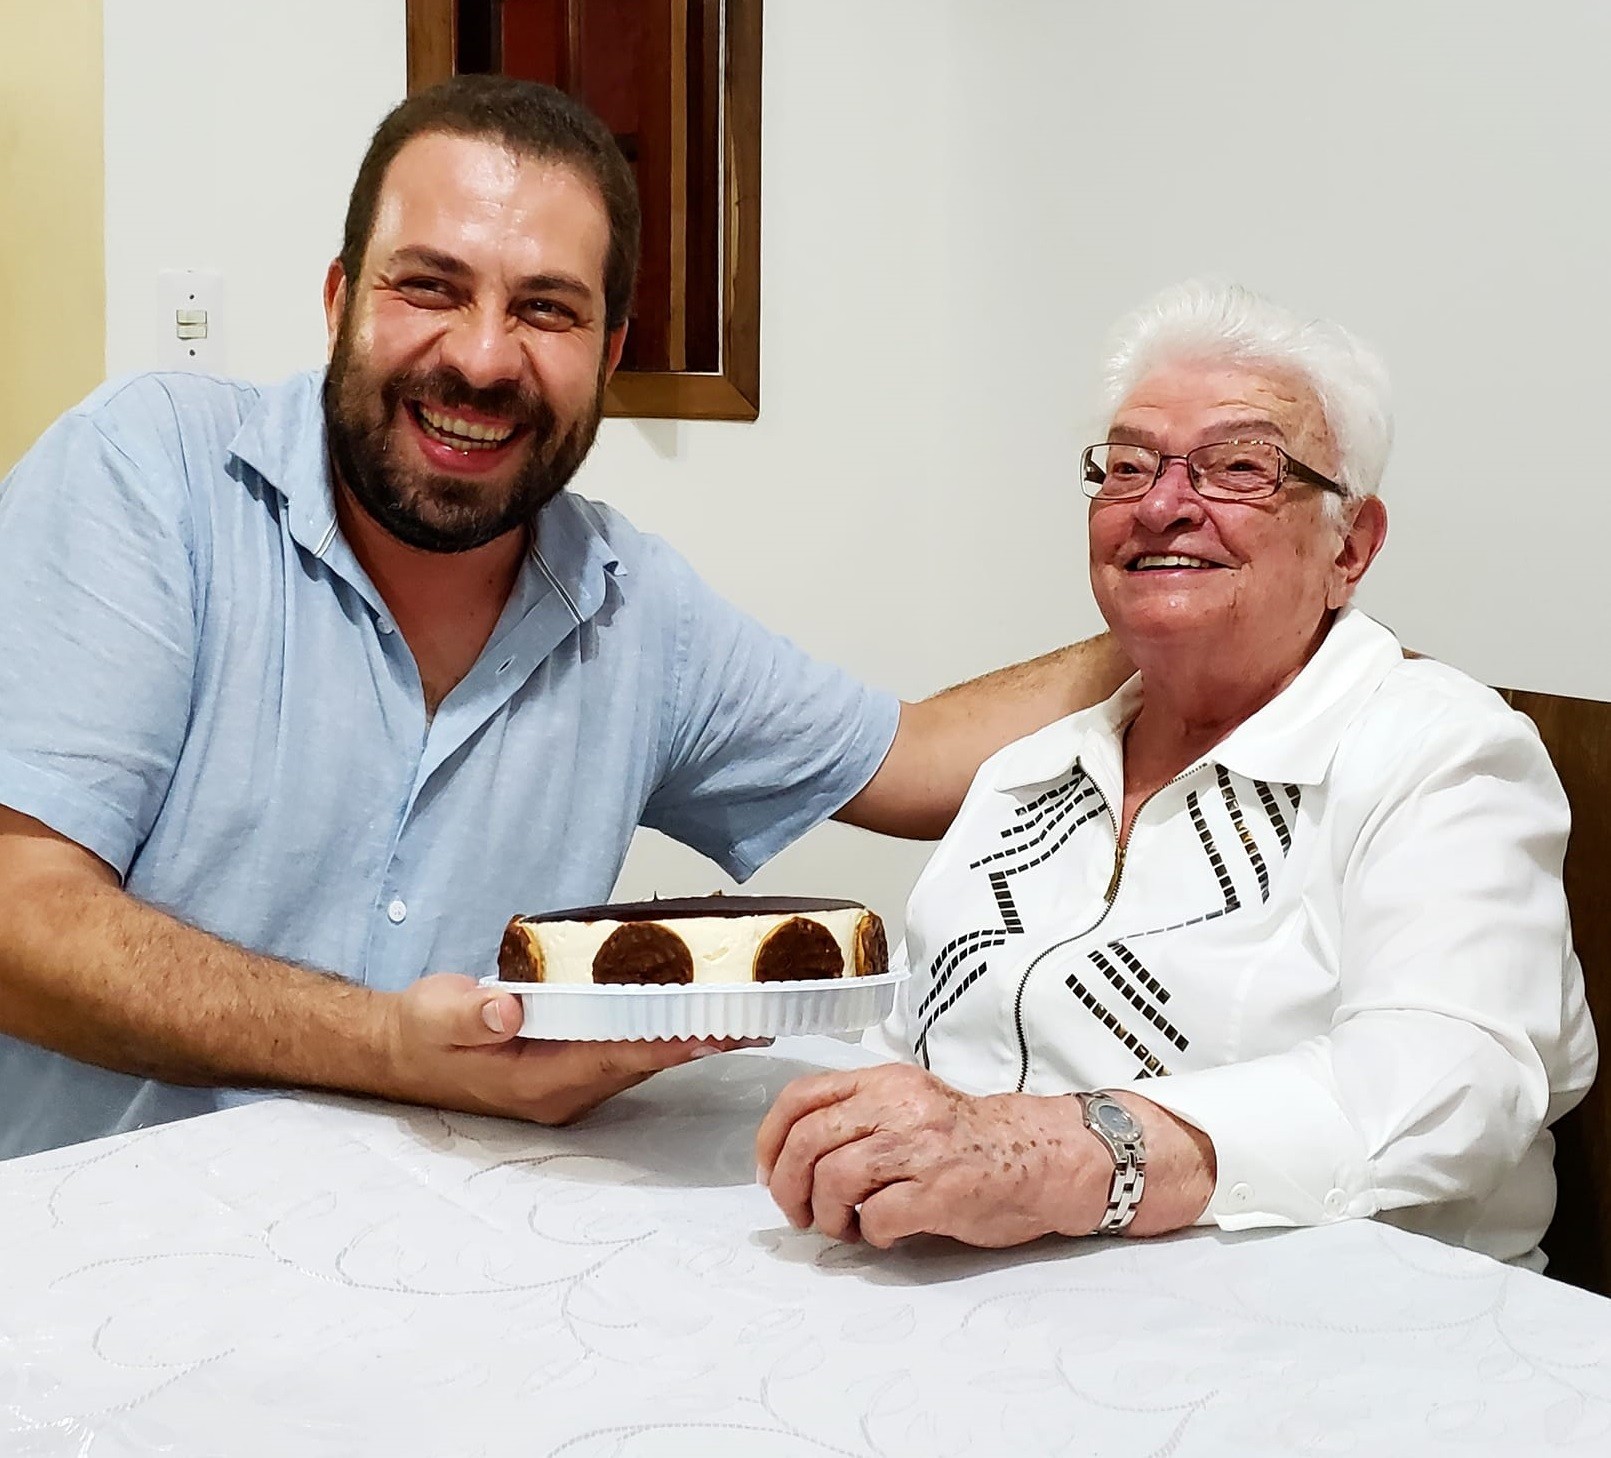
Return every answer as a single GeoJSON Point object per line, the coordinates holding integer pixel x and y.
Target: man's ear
{"type": "Point", "coordinates": [612, 350]}
{"type": "Point", "coordinates": [1362, 539]}
{"type": "Point", "coordinates": [335, 303]}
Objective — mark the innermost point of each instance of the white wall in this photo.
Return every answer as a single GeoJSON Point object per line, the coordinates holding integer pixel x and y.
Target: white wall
{"type": "Point", "coordinates": [1431, 173]}
{"type": "Point", "coordinates": [233, 130]}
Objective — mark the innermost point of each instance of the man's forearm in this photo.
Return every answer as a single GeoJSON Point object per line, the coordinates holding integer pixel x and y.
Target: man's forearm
{"type": "Point", "coordinates": [91, 972]}
{"type": "Point", "coordinates": [944, 739]}
{"type": "Point", "coordinates": [1011, 702]}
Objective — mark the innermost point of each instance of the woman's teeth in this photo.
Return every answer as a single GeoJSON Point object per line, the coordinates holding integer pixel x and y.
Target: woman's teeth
{"type": "Point", "coordinates": [1146, 564]}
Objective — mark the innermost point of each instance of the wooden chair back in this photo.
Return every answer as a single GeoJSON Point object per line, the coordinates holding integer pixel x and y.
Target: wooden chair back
{"type": "Point", "coordinates": [1577, 733]}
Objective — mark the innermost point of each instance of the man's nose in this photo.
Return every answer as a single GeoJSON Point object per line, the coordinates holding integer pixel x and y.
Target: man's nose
{"type": "Point", "coordinates": [481, 345]}
{"type": "Point", "coordinates": [1172, 499]}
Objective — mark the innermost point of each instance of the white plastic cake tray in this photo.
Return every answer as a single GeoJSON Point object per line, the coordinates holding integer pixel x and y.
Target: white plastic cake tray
{"type": "Point", "coordinates": [586, 1012]}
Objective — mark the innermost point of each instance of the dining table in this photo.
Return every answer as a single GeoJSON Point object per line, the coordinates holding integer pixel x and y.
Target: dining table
{"type": "Point", "coordinates": [309, 1275]}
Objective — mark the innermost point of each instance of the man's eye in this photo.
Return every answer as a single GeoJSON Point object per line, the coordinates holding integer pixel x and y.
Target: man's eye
{"type": "Point", "coordinates": [548, 314]}
{"type": "Point", "coordinates": [422, 290]}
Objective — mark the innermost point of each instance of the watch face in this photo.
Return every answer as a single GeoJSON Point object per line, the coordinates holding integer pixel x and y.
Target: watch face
{"type": "Point", "coordinates": [1115, 1119]}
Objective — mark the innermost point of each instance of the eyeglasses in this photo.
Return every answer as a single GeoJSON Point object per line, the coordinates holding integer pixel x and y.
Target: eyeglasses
{"type": "Point", "coordinates": [1226, 470]}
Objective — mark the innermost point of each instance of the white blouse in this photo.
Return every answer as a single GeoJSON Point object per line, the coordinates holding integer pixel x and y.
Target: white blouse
{"type": "Point", "coordinates": [1338, 944]}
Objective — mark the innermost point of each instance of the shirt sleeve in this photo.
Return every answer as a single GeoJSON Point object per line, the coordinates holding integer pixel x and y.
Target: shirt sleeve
{"type": "Point", "coordinates": [763, 742]}
{"type": "Point", "coordinates": [97, 623]}
{"type": "Point", "coordinates": [1461, 1027]}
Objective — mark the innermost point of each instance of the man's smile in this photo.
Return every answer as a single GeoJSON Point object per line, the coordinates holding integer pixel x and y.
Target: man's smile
{"type": "Point", "coordinates": [460, 431]}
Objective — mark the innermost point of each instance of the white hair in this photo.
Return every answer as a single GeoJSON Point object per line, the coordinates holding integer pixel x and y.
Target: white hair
{"type": "Point", "coordinates": [1212, 322]}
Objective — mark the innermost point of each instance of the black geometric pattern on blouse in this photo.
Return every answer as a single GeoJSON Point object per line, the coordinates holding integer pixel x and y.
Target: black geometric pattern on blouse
{"type": "Point", "coordinates": [1144, 1005]}
{"type": "Point", "coordinates": [1050, 810]}
{"type": "Point", "coordinates": [1114, 1026]}
{"type": "Point", "coordinates": [1194, 807]}
{"type": "Point", "coordinates": [1234, 809]}
{"type": "Point", "coordinates": [1277, 819]}
{"type": "Point", "coordinates": [1004, 902]}
{"type": "Point", "coordinates": [1105, 958]}
{"type": "Point", "coordinates": [921, 1045]}
{"type": "Point", "coordinates": [1074, 799]}
{"type": "Point", "coordinates": [951, 956]}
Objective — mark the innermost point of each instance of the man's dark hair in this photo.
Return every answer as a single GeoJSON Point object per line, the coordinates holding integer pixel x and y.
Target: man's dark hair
{"type": "Point", "coordinates": [533, 121]}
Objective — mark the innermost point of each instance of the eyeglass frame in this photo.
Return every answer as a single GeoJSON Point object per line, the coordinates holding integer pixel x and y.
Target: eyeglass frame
{"type": "Point", "coordinates": [1290, 466]}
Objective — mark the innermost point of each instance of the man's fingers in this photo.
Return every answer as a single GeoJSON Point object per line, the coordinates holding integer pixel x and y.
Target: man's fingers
{"type": "Point", "coordinates": [450, 1011]}
{"type": "Point", "coordinates": [501, 1013]}
{"type": "Point", "coordinates": [637, 1060]}
{"type": "Point", "coordinates": [588, 1064]}
{"type": "Point", "coordinates": [577, 1077]}
{"type": "Point", "coordinates": [799, 1098]}
{"type": "Point", "coordinates": [892, 1213]}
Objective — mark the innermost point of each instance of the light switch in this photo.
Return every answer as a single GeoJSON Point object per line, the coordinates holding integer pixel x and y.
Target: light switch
{"type": "Point", "coordinates": [190, 320]}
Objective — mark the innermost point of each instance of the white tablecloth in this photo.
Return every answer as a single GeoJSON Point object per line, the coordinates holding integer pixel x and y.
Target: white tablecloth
{"type": "Point", "coordinates": [318, 1277]}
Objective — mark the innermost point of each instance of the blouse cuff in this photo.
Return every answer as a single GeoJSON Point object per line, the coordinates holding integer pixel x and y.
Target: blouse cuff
{"type": "Point", "coordinates": [1285, 1154]}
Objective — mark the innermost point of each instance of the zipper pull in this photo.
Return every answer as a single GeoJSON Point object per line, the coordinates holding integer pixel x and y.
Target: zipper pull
{"type": "Point", "coordinates": [1118, 870]}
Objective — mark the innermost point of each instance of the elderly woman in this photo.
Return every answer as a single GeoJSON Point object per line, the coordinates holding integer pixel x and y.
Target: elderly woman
{"type": "Point", "coordinates": [1284, 915]}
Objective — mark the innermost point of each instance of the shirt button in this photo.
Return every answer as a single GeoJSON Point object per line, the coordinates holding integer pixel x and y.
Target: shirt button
{"type": "Point", "coordinates": [1336, 1202]}
{"type": "Point", "coordinates": [384, 626]}
{"type": "Point", "coordinates": [1240, 1194]}
{"type": "Point", "coordinates": [396, 912]}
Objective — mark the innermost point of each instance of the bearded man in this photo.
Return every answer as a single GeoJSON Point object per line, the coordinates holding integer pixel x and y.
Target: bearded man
{"type": "Point", "coordinates": [309, 689]}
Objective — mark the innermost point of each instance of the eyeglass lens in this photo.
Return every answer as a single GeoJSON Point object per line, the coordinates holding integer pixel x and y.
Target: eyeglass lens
{"type": "Point", "coordinates": [1229, 469]}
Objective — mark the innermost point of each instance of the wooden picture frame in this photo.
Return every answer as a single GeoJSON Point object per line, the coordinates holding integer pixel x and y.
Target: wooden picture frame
{"type": "Point", "coordinates": [733, 391]}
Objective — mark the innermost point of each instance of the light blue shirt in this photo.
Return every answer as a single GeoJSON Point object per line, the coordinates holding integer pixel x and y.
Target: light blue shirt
{"type": "Point", "coordinates": [199, 683]}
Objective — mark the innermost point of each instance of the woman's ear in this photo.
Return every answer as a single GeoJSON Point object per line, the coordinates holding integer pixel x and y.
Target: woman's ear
{"type": "Point", "coordinates": [1361, 540]}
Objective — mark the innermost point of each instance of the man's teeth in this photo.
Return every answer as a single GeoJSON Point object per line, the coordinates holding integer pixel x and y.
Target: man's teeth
{"type": "Point", "coordinates": [464, 433]}
{"type": "Point", "coordinates": [1142, 564]}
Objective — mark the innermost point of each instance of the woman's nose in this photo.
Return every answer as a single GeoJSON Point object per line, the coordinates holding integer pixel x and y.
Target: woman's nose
{"type": "Point", "coordinates": [1171, 500]}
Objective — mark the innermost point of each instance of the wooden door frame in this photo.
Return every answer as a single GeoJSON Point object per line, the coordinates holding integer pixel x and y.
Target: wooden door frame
{"type": "Point", "coordinates": [734, 393]}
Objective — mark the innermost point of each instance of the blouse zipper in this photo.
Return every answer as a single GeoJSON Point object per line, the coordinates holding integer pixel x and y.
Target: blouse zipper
{"type": "Point", "coordinates": [1108, 898]}
{"type": "Point", "coordinates": [1121, 846]}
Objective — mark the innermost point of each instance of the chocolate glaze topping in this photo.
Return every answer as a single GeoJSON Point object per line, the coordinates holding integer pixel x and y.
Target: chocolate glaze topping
{"type": "Point", "coordinates": [684, 906]}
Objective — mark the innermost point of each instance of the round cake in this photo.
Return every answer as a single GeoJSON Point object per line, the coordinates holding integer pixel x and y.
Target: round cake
{"type": "Point", "coordinates": [695, 939]}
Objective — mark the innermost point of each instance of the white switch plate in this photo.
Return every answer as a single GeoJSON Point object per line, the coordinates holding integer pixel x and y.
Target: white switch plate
{"type": "Point", "coordinates": [185, 342]}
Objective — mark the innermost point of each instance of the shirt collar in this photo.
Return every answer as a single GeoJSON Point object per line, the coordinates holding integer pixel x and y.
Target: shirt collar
{"type": "Point", "coordinates": [572, 554]}
{"type": "Point", "coordinates": [1291, 739]}
{"type": "Point", "coordinates": [283, 441]}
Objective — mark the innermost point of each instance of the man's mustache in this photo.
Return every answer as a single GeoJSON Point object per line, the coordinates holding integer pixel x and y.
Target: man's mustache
{"type": "Point", "coordinates": [449, 389]}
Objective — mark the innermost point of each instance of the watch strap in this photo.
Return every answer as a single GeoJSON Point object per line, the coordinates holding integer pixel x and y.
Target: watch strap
{"type": "Point", "coordinates": [1129, 1170]}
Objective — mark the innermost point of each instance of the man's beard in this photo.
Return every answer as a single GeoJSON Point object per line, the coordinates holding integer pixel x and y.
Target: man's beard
{"type": "Point", "coordinates": [433, 511]}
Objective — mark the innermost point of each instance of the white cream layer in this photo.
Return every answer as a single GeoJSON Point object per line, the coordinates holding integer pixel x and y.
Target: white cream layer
{"type": "Point", "coordinates": [723, 947]}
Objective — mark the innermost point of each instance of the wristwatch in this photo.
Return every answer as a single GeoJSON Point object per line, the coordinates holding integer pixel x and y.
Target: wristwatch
{"type": "Point", "coordinates": [1118, 1130]}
